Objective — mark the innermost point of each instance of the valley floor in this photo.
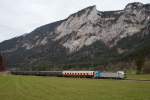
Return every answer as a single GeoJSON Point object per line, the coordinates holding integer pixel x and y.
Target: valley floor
{"type": "Point", "coordinates": [136, 87]}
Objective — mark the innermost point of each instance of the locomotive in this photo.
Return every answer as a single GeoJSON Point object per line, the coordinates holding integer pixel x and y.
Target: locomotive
{"type": "Point", "coordinates": [85, 74]}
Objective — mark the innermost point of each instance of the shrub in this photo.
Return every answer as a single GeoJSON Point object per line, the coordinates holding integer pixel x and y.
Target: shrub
{"type": "Point", "coordinates": [146, 68]}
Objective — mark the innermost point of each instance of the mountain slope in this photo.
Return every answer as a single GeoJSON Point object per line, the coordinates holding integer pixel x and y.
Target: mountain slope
{"type": "Point", "coordinates": [88, 36]}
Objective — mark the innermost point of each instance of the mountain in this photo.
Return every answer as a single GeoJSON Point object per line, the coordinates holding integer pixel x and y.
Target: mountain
{"type": "Point", "coordinates": [86, 37]}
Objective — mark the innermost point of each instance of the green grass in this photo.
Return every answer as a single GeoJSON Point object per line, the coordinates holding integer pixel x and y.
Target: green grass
{"type": "Point", "coordinates": [139, 77]}
{"type": "Point", "coordinates": [57, 88]}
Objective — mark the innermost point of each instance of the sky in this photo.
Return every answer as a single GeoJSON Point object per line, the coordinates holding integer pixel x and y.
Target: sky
{"type": "Point", "coordinates": [18, 17]}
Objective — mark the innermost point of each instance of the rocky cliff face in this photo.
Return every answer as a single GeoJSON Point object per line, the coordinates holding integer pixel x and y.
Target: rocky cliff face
{"type": "Point", "coordinates": [86, 36]}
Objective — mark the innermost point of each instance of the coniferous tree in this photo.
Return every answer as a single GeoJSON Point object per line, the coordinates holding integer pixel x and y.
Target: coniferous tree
{"type": "Point", "coordinates": [2, 68]}
{"type": "Point", "coordinates": [139, 61]}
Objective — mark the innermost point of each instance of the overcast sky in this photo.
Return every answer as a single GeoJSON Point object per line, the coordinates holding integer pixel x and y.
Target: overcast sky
{"type": "Point", "coordinates": [22, 16]}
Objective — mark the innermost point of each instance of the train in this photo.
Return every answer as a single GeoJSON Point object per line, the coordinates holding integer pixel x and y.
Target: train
{"type": "Point", "coordinates": [67, 73]}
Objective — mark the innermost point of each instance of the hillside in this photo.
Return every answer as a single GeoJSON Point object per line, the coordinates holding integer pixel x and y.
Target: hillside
{"type": "Point", "coordinates": [88, 36]}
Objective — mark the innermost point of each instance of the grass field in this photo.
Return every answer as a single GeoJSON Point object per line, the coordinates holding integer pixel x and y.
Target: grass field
{"type": "Point", "coordinates": [57, 88]}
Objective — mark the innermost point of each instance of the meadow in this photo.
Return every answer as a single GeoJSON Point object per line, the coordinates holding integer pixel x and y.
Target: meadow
{"type": "Point", "coordinates": [136, 87]}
